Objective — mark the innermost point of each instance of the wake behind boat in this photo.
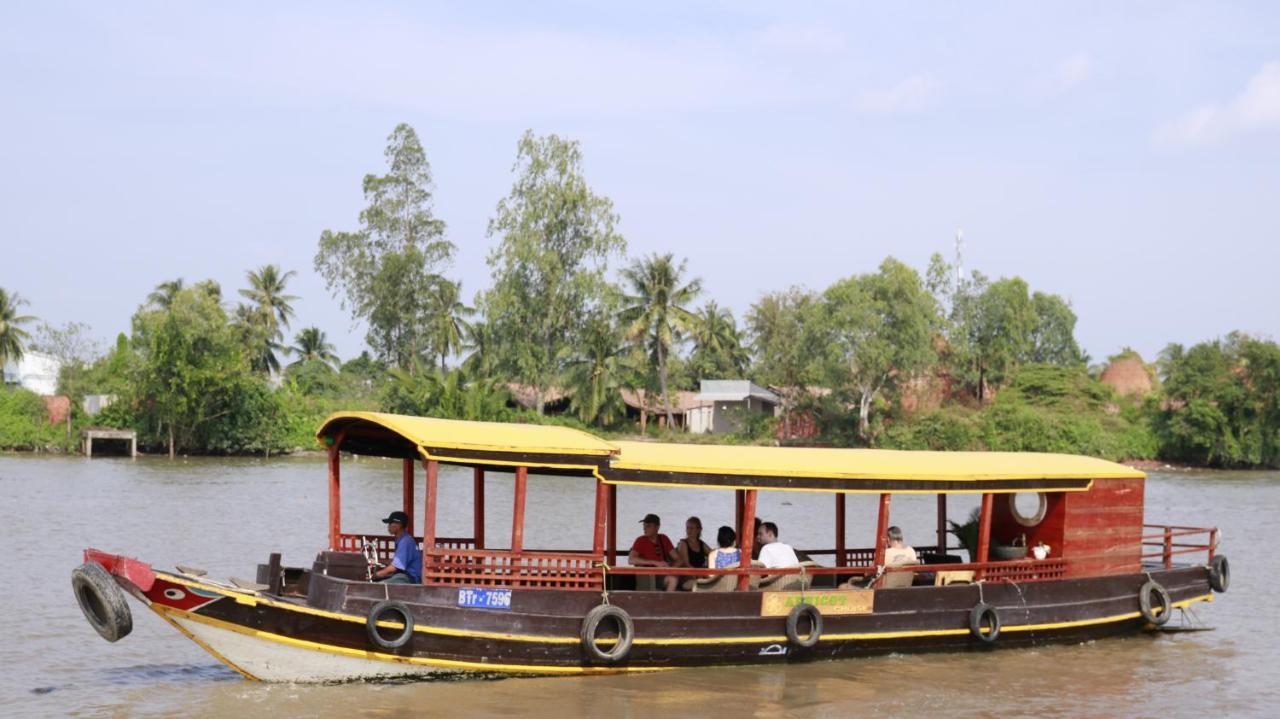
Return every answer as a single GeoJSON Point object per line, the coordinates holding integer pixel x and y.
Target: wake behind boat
{"type": "Point", "coordinates": [1059, 552]}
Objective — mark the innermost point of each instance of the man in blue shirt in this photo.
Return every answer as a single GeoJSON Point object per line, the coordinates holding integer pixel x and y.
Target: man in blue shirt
{"type": "Point", "coordinates": [406, 565]}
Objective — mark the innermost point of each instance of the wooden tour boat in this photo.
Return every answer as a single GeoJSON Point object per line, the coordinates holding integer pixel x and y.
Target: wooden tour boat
{"type": "Point", "coordinates": [529, 611]}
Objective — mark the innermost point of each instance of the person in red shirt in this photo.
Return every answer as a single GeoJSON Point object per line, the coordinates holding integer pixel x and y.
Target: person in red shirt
{"type": "Point", "coordinates": [652, 549]}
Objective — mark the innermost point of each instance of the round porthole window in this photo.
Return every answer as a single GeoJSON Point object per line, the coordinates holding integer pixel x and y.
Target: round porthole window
{"type": "Point", "coordinates": [1028, 508]}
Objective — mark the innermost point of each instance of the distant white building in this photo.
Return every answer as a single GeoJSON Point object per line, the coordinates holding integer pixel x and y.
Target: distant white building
{"type": "Point", "coordinates": [36, 371]}
{"type": "Point", "coordinates": [724, 403]}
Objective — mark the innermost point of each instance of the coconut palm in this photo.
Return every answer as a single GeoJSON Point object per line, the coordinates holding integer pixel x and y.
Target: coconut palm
{"type": "Point", "coordinates": [481, 345]}
{"type": "Point", "coordinates": [446, 318]}
{"type": "Point", "coordinates": [12, 336]}
{"type": "Point", "coordinates": [595, 371]}
{"type": "Point", "coordinates": [260, 338]}
{"type": "Point", "coordinates": [717, 345]}
{"type": "Point", "coordinates": [654, 314]}
{"type": "Point", "coordinates": [266, 290]}
{"type": "Point", "coordinates": [165, 293]}
{"type": "Point", "coordinates": [311, 345]}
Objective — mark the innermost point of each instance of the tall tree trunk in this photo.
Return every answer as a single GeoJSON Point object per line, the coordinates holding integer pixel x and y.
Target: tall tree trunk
{"type": "Point", "coordinates": [171, 452]}
{"type": "Point", "coordinates": [864, 415]}
{"type": "Point", "coordinates": [662, 383]}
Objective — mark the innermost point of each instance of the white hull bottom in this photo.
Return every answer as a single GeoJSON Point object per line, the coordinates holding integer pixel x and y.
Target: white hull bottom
{"type": "Point", "coordinates": [273, 661]}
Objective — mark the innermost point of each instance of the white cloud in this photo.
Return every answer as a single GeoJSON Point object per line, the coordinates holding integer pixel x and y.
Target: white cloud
{"type": "Point", "coordinates": [1256, 108]}
{"type": "Point", "coordinates": [1074, 70]}
{"type": "Point", "coordinates": [911, 95]}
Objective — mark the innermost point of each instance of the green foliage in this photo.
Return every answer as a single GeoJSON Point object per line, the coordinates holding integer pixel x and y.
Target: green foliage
{"type": "Point", "coordinates": [555, 239]}
{"type": "Point", "coordinates": [597, 369]}
{"type": "Point", "coordinates": [13, 337]}
{"type": "Point", "coordinates": [1221, 403]}
{"type": "Point", "coordinates": [655, 314]}
{"type": "Point", "coordinates": [24, 422]}
{"type": "Point", "coordinates": [718, 351]}
{"type": "Point", "coordinates": [871, 332]}
{"type": "Point", "coordinates": [778, 326]}
{"type": "Point", "coordinates": [449, 394]}
{"type": "Point", "coordinates": [386, 270]}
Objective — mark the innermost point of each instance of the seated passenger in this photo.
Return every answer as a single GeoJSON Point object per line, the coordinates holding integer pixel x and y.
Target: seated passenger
{"type": "Point", "coordinates": [898, 552]}
{"type": "Point", "coordinates": [727, 554]}
{"type": "Point", "coordinates": [774, 554]}
{"type": "Point", "coordinates": [692, 551]}
{"type": "Point", "coordinates": [406, 565]}
{"type": "Point", "coordinates": [652, 549]}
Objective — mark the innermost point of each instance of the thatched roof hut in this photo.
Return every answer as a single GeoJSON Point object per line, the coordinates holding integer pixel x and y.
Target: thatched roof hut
{"type": "Point", "coordinates": [1128, 375]}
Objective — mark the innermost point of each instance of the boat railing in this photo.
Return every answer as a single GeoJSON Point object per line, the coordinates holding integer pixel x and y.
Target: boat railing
{"type": "Point", "coordinates": [385, 544]}
{"type": "Point", "coordinates": [504, 568]}
{"type": "Point", "coordinates": [867, 555]}
{"type": "Point", "coordinates": [1162, 541]}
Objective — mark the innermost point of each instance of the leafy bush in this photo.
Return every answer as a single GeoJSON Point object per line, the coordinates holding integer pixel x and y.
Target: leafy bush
{"type": "Point", "coordinates": [24, 422]}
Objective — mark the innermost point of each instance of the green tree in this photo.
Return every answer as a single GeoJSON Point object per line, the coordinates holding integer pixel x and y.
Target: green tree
{"type": "Point", "coordinates": [162, 296]}
{"type": "Point", "coordinates": [1053, 339]}
{"type": "Point", "coordinates": [717, 344]}
{"type": "Point", "coordinates": [385, 271]}
{"type": "Point", "coordinates": [595, 371]}
{"type": "Point", "coordinates": [13, 337]}
{"type": "Point", "coordinates": [311, 345]}
{"type": "Point", "coordinates": [556, 237]}
{"type": "Point", "coordinates": [190, 363]}
{"type": "Point", "coordinates": [998, 324]}
{"type": "Point", "coordinates": [877, 330]}
{"type": "Point", "coordinates": [447, 318]}
{"type": "Point", "coordinates": [655, 313]}
{"type": "Point", "coordinates": [268, 316]}
{"type": "Point", "coordinates": [778, 325]}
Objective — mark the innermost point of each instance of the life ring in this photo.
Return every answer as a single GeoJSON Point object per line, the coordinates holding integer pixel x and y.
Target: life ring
{"type": "Point", "coordinates": [1220, 574]}
{"type": "Point", "coordinates": [378, 614]}
{"type": "Point", "coordinates": [626, 633]}
{"type": "Point", "coordinates": [102, 601]}
{"type": "Point", "coordinates": [983, 612]}
{"type": "Point", "coordinates": [793, 625]}
{"type": "Point", "coordinates": [1152, 590]}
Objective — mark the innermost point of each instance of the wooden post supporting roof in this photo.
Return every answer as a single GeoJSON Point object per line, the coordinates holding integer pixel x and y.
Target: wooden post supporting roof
{"type": "Point", "coordinates": [602, 519]}
{"type": "Point", "coordinates": [942, 523]}
{"type": "Point", "coordinates": [738, 500]}
{"type": "Point", "coordinates": [335, 498]}
{"type": "Point", "coordinates": [747, 537]}
{"type": "Point", "coordinates": [406, 482]}
{"type": "Point", "coordinates": [477, 531]}
{"type": "Point", "coordinates": [984, 530]}
{"type": "Point", "coordinates": [840, 546]}
{"type": "Point", "coordinates": [517, 512]}
{"type": "Point", "coordinates": [882, 529]}
{"type": "Point", "coordinates": [613, 525]}
{"type": "Point", "coordinates": [429, 505]}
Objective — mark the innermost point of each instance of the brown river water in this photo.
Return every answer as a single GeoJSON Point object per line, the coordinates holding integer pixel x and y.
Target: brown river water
{"type": "Point", "coordinates": [226, 515]}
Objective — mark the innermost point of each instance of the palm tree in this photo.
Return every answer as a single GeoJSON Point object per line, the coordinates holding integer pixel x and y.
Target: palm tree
{"type": "Point", "coordinates": [594, 372]}
{"type": "Point", "coordinates": [481, 344]}
{"type": "Point", "coordinates": [266, 290]}
{"type": "Point", "coordinates": [310, 345]}
{"type": "Point", "coordinates": [446, 318]}
{"type": "Point", "coordinates": [655, 314]}
{"type": "Point", "coordinates": [717, 345]}
{"type": "Point", "coordinates": [165, 293]}
{"type": "Point", "coordinates": [12, 336]}
{"type": "Point", "coordinates": [260, 338]}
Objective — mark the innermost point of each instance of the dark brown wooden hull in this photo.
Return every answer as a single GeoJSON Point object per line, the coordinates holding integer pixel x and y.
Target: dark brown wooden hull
{"type": "Point", "coordinates": [540, 633]}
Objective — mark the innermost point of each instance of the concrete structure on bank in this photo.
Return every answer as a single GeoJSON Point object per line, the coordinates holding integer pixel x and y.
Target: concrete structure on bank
{"type": "Point", "coordinates": [725, 403]}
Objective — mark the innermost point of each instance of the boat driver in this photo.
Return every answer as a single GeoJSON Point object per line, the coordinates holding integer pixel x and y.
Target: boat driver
{"type": "Point", "coordinates": [406, 565]}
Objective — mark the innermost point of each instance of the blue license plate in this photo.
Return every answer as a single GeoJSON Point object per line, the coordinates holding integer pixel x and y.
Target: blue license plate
{"type": "Point", "coordinates": [485, 598]}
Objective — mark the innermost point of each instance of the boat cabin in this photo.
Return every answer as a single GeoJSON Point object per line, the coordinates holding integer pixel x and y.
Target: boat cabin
{"type": "Point", "coordinates": [1042, 516]}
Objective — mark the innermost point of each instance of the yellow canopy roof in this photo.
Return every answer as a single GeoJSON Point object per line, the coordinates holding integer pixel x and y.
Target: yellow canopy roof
{"type": "Point", "coordinates": [652, 463]}
{"type": "Point", "coordinates": [497, 437]}
{"type": "Point", "coordinates": [852, 464]}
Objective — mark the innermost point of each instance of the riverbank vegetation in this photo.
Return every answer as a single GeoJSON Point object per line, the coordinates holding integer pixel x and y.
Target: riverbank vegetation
{"type": "Point", "coordinates": [572, 331]}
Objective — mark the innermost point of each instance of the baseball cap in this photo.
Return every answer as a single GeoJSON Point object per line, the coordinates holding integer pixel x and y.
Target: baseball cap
{"type": "Point", "coordinates": [397, 516]}
{"type": "Point", "coordinates": [651, 519]}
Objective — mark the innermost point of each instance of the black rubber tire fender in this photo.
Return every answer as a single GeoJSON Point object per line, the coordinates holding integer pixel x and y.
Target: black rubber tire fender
{"type": "Point", "coordinates": [1220, 574]}
{"type": "Point", "coordinates": [626, 634]}
{"type": "Point", "coordinates": [378, 614]}
{"type": "Point", "coordinates": [102, 601]}
{"type": "Point", "coordinates": [1150, 591]}
{"type": "Point", "coordinates": [793, 625]}
{"type": "Point", "coordinates": [984, 612]}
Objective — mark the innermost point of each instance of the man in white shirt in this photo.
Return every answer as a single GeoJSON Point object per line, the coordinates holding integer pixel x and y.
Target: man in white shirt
{"type": "Point", "coordinates": [774, 554]}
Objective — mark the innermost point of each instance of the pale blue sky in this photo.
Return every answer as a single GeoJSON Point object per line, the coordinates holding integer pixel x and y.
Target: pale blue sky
{"type": "Point", "coordinates": [1124, 155]}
